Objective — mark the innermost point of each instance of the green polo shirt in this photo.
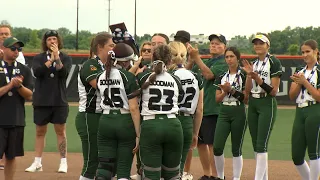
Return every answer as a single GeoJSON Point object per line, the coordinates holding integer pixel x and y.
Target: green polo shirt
{"type": "Point", "coordinates": [218, 66]}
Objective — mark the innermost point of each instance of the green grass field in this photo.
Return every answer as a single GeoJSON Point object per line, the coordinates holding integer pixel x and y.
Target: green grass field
{"type": "Point", "coordinates": [279, 146]}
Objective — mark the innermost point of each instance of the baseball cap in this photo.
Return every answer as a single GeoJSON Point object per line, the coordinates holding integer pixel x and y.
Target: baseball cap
{"type": "Point", "coordinates": [261, 37]}
{"type": "Point", "coordinates": [10, 41]}
{"type": "Point", "coordinates": [124, 52]}
{"type": "Point", "coordinates": [219, 36]}
{"type": "Point", "coordinates": [182, 35]}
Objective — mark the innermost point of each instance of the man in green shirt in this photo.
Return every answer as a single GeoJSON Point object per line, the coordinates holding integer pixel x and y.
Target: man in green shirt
{"type": "Point", "coordinates": [210, 69]}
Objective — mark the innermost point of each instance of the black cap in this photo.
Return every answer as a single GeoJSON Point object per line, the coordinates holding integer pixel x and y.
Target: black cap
{"type": "Point", "coordinates": [219, 36]}
{"type": "Point", "coordinates": [182, 35]}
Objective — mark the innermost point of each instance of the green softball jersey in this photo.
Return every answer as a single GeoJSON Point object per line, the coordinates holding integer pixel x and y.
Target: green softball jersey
{"type": "Point", "coordinates": [117, 89]}
{"type": "Point", "coordinates": [237, 81]}
{"type": "Point", "coordinates": [162, 96]}
{"type": "Point", "coordinates": [218, 66]}
{"type": "Point", "coordinates": [268, 68]}
{"type": "Point", "coordinates": [191, 84]}
{"type": "Point", "coordinates": [89, 97]}
{"type": "Point", "coordinates": [314, 76]}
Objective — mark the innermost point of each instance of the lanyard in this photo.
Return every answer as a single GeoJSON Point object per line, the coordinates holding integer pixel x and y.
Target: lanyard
{"type": "Point", "coordinates": [308, 79]}
{"type": "Point", "coordinates": [261, 68]}
{"type": "Point", "coordinates": [235, 80]}
{"type": "Point", "coordinates": [6, 73]}
{"type": "Point", "coordinates": [100, 62]}
{"type": "Point", "coordinates": [53, 65]}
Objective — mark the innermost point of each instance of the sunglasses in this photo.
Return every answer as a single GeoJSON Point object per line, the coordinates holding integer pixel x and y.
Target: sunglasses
{"type": "Point", "coordinates": [51, 33]}
{"type": "Point", "coordinates": [14, 48]}
{"type": "Point", "coordinates": [146, 50]}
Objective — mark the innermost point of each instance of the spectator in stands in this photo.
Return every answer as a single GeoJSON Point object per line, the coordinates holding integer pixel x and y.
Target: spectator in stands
{"type": "Point", "coordinates": [51, 69]}
{"type": "Point", "coordinates": [5, 32]}
{"type": "Point", "coordinates": [16, 84]}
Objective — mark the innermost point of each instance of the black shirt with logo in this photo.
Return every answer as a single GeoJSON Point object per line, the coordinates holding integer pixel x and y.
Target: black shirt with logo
{"type": "Point", "coordinates": [50, 85]}
{"type": "Point", "coordinates": [12, 110]}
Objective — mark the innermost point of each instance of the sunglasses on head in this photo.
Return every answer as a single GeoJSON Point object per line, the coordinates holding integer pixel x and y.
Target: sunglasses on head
{"type": "Point", "coordinates": [51, 33]}
{"type": "Point", "coordinates": [14, 48]}
{"type": "Point", "coordinates": [146, 50]}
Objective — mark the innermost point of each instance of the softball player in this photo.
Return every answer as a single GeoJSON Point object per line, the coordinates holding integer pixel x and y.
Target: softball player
{"type": "Point", "coordinates": [161, 133]}
{"type": "Point", "coordinates": [306, 126]}
{"type": "Point", "coordinates": [192, 101]}
{"type": "Point", "coordinates": [87, 119]}
{"type": "Point", "coordinates": [262, 83]}
{"type": "Point", "coordinates": [119, 131]}
{"type": "Point", "coordinates": [232, 115]}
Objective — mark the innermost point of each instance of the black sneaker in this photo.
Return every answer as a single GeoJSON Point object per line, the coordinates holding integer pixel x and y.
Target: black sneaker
{"type": "Point", "coordinates": [216, 178]}
{"type": "Point", "coordinates": [204, 177]}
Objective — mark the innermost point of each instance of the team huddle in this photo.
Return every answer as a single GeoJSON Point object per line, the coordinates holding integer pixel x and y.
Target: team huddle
{"type": "Point", "coordinates": [162, 107]}
{"type": "Point", "coordinates": [159, 104]}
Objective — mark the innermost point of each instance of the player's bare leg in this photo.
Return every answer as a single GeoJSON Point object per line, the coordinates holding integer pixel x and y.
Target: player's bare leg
{"type": "Point", "coordinates": [62, 146]}
{"type": "Point", "coordinates": [10, 169]}
{"type": "Point", "coordinates": [212, 163]}
{"type": "Point", "coordinates": [204, 155]}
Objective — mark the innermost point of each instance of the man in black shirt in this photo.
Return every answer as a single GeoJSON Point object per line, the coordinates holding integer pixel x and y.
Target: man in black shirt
{"type": "Point", "coordinates": [51, 69]}
{"type": "Point", "coordinates": [16, 86]}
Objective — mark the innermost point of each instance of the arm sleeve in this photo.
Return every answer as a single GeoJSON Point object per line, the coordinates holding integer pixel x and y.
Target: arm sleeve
{"type": "Point", "coordinates": [276, 67]}
{"type": "Point", "coordinates": [217, 81]}
{"type": "Point", "coordinates": [199, 79]}
{"type": "Point", "coordinates": [181, 91]}
{"type": "Point", "coordinates": [132, 86]}
{"type": "Point", "coordinates": [219, 68]}
{"type": "Point", "coordinates": [89, 71]}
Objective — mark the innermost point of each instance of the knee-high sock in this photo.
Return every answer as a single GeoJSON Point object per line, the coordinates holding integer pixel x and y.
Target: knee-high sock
{"type": "Point", "coordinates": [219, 161]}
{"type": "Point", "coordinates": [314, 169]}
{"type": "Point", "coordinates": [304, 171]}
{"type": "Point", "coordinates": [237, 167]}
{"type": "Point", "coordinates": [265, 177]}
{"type": "Point", "coordinates": [261, 165]}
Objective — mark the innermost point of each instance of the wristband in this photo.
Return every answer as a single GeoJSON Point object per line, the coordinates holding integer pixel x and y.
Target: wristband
{"type": "Point", "coordinates": [238, 95]}
{"type": "Point", "coordinates": [266, 87]}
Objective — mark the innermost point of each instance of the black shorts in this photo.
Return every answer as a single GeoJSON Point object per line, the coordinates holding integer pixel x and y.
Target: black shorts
{"type": "Point", "coordinates": [55, 115]}
{"type": "Point", "coordinates": [11, 142]}
{"type": "Point", "coordinates": [207, 129]}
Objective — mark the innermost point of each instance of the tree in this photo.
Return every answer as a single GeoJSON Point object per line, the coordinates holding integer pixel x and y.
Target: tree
{"type": "Point", "coordinates": [293, 49]}
{"type": "Point", "coordinates": [5, 22]}
{"type": "Point", "coordinates": [34, 40]}
{"type": "Point", "coordinates": [64, 31]}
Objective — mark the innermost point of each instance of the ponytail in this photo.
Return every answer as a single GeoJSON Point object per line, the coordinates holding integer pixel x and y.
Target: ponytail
{"type": "Point", "coordinates": [318, 56]}
{"type": "Point", "coordinates": [159, 67]}
{"type": "Point", "coordinates": [107, 66]}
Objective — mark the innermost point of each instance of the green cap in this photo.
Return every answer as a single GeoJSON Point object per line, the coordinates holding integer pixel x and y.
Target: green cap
{"type": "Point", "coordinates": [10, 41]}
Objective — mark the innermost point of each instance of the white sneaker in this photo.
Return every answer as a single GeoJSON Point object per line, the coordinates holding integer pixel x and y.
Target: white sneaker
{"type": "Point", "coordinates": [35, 167]}
{"type": "Point", "coordinates": [63, 168]}
{"type": "Point", "coordinates": [186, 176]}
{"type": "Point", "coordinates": [136, 177]}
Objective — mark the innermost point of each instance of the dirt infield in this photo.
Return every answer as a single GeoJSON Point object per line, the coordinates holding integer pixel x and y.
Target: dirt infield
{"type": "Point", "coordinates": [278, 170]}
